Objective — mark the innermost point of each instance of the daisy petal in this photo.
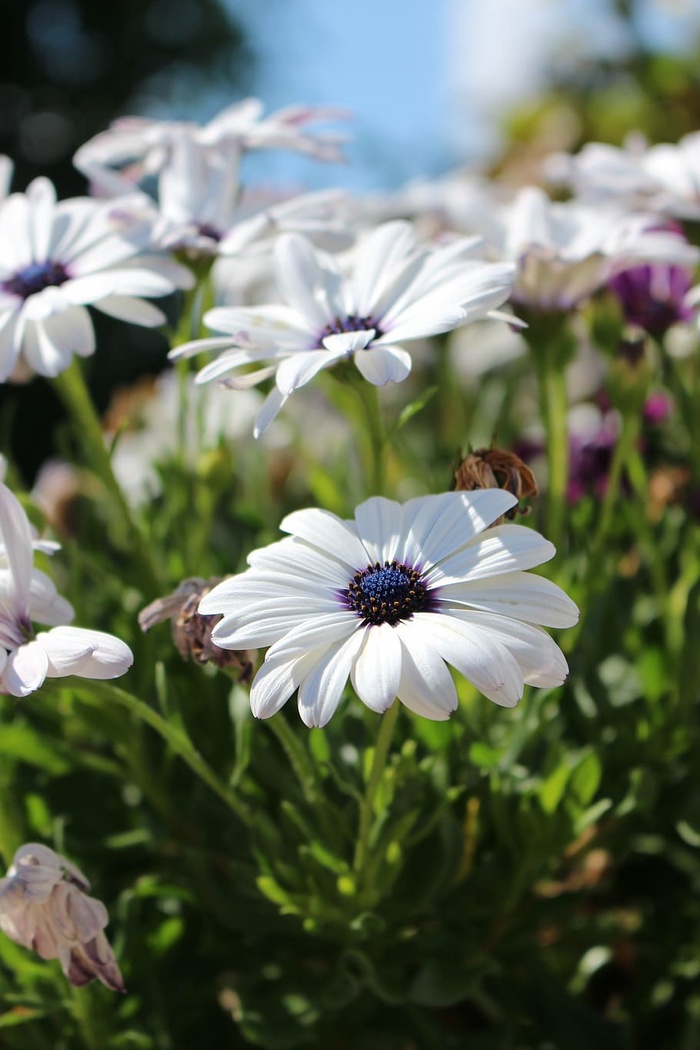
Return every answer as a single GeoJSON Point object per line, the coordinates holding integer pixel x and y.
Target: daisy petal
{"type": "Point", "coordinates": [322, 689]}
{"type": "Point", "coordinates": [383, 364]}
{"type": "Point", "coordinates": [377, 670]}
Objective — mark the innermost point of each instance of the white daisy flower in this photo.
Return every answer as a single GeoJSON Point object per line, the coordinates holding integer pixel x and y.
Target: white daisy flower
{"type": "Point", "coordinates": [201, 210]}
{"type": "Point", "coordinates": [55, 260]}
{"type": "Point", "coordinates": [565, 251]}
{"type": "Point", "coordinates": [44, 905]}
{"type": "Point", "coordinates": [664, 177]}
{"type": "Point", "coordinates": [396, 292]}
{"type": "Point", "coordinates": [139, 146]}
{"type": "Point", "coordinates": [27, 595]}
{"type": "Point", "coordinates": [389, 599]}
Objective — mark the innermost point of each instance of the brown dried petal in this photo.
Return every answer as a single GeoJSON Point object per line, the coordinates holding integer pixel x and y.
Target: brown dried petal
{"type": "Point", "coordinates": [496, 468]}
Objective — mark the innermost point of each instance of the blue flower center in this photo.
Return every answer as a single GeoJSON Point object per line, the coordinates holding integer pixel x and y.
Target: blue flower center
{"type": "Point", "coordinates": [386, 593]}
{"type": "Point", "coordinates": [351, 323]}
{"type": "Point", "coordinates": [207, 230]}
{"type": "Point", "coordinates": [35, 277]}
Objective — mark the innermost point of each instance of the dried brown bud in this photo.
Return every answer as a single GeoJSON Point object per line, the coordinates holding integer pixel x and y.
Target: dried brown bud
{"type": "Point", "coordinates": [495, 468]}
{"type": "Point", "coordinates": [191, 630]}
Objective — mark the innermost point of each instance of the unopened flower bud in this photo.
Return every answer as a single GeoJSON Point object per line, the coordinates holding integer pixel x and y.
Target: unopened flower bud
{"type": "Point", "coordinates": [191, 630]}
{"type": "Point", "coordinates": [44, 906]}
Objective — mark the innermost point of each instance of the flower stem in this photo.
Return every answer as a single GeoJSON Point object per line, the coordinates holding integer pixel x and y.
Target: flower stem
{"type": "Point", "coordinates": [621, 456]}
{"type": "Point", "coordinates": [175, 737]}
{"type": "Point", "coordinates": [554, 405]}
{"type": "Point", "coordinates": [381, 750]}
{"type": "Point", "coordinates": [369, 398]}
{"type": "Point", "coordinates": [73, 391]}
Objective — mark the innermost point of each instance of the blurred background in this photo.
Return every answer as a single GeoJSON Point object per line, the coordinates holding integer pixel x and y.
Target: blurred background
{"type": "Point", "coordinates": [430, 84]}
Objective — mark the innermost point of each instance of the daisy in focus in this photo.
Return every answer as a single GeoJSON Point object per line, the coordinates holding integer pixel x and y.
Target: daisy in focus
{"type": "Point", "coordinates": [389, 599]}
{"type": "Point", "coordinates": [26, 595]}
{"type": "Point", "coordinates": [396, 292]}
{"type": "Point", "coordinates": [58, 258]}
{"type": "Point", "coordinates": [44, 906]}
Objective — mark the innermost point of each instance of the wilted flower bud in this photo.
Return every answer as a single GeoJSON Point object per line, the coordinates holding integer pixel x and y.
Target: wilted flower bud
{"type": "Point", "coordinates": [191, 630]}
{"type": "Point", "coordinates": [44, 906]}
{"type": "Point", "coordinates": [495, 468]}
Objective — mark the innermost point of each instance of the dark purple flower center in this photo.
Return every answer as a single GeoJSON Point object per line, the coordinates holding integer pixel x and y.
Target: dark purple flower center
{"type": "Point", "coordinates": [35, 277]}
{"type": "Point", "coordinates": [351, 323]}
{"type": "Point", "coordinates": [386, 593]}
{"type": "Point", "coordinates": [206, 230]}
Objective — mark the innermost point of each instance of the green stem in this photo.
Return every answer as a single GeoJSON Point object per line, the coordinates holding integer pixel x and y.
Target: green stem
{"type": "Point", "coordinates": [369, 398]}
{"type": "Point", "coordinates": [73, 391]}
{"type": "Point", "coordinates": [174, 737]}
{"type": "Point", "coordinates": [381, 750]}
{"type": "Point", "coordinates": [621, 457]}
{"type": "Point", "coordinates": [554, 406]}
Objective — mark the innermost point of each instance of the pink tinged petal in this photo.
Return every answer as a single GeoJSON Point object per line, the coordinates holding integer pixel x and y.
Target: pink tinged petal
{"type": "Point", "coordinates": [377, 670]}
{"type": "Point", "coordinates": [89, 654]}
{"type": "Point", "coordinates": [379, 523]}
{"type": "Point", "coordinates": [482, 659]}
{"type": "Point", "coordinates": [426, 685]}
{"type": "Point", "coordinates": [16, 536]}
{"type": "Point", "coordinates": [322, 688]}
{"type": "Point", "coordinates": [436, 527]}
{"type": "Point", "coordinates": [501, 549]}
{"type": "Point", "coordinates": [521, 595]}
{"type": "Point", "coordinates": [540, 659]}
{"type": "Point", "coordinates": [337, 539]}
{"type": "Point", "coordinates": [128, 308]}
{"type": "Point", "coordinates": [25, 669]}
{"type": "Point", "coordinates": [342, 344]}
{"type": "Point", "coordinates": [383, 364]}
{"type": "Point", "coordinates": [298, 370]}
{"type": "Point", "coordinates": [272, 406]}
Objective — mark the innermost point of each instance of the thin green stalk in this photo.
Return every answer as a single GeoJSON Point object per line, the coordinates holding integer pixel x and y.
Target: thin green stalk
{"type": "Point", "coordinates": [73, 391]}
{"type": "Point", "coordinates": [369, 399]}
{"type": "Point", "coordinates": [174, 737]}
{"type": "Point", "coordinates": [621, 457]}
{"type": "Point", "coordinates": [554, 407]}
{"type": "Point", "coordinates": [381, 750]}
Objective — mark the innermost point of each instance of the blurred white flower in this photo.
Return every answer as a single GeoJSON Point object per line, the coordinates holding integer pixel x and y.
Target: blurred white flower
{"type": "Point", "coordinates": [396, 292]}
{"type": "Point", "coordinates": [139, 146]}
{"type": "Point", "coordinates": [55, 260]}
{"type": "Point", "coordinates": [664, 178]}
{"type": "Point", "coordinates": [26, 595]}
{"type": "Point", "coordinates": [44, 906]}
{"type": "Point", "coordinates": [391, 598]}
{"type": "Point", "coordinates": [200, 209]}
{"type": "Point", "coordinates": [566, 251]}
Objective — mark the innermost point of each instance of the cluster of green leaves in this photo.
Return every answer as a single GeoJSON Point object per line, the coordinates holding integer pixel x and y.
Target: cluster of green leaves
{"type": "Point", "coordinates": [531, 875]}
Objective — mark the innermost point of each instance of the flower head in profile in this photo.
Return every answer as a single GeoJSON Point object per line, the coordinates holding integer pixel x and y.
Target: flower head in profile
{"type": "Point", "coordinates": [58, 258]}
{"type": "Point", "coordinates": [138, 146]}
{"type": "Point", "coordinates": [664, 178]}
{"type": "Point", "coordinates": [389, 599]}
{"type": "Point", "coordinates": [566, 250]}
{"type": "Point", "coordinates": [395, 292]}
{"type": "Point", "coordinates": [27, 595]}
{"type": "Point", "coordinates": [44, 906]}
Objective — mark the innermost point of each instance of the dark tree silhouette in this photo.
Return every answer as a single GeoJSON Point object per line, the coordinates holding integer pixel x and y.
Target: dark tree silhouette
{"type": "Point", "coordinates": [68, 68]}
